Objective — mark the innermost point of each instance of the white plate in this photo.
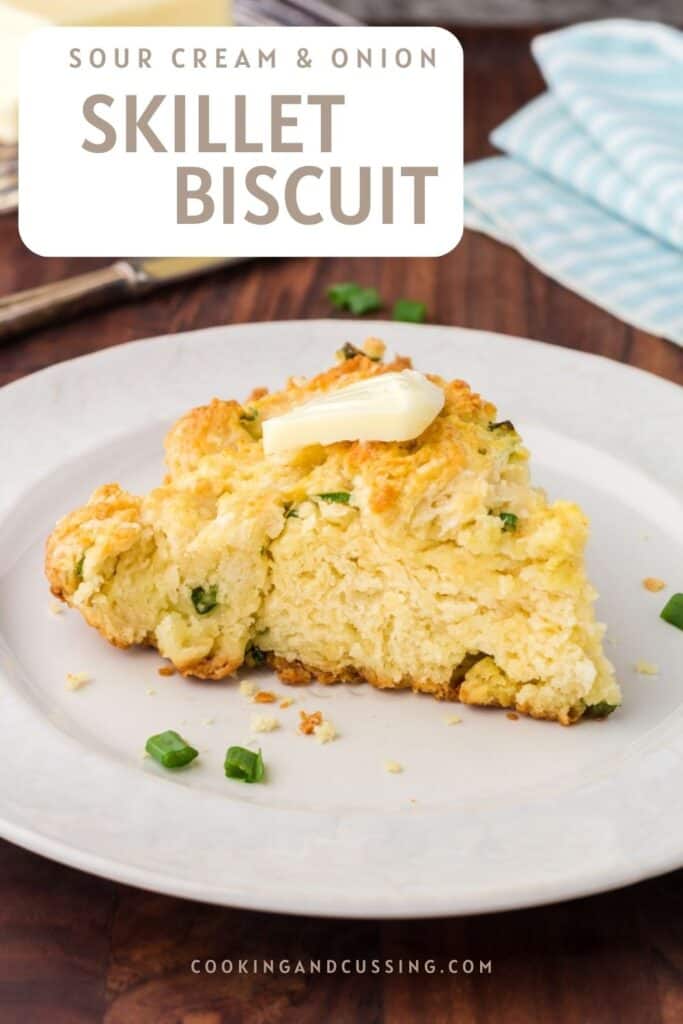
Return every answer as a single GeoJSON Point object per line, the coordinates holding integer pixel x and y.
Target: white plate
{"type": "Point", "coordinates": [488, 814]}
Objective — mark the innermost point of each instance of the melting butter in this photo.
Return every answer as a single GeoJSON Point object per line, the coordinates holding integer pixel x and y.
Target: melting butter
{"type": "Point", "coordinates": [389, 407]}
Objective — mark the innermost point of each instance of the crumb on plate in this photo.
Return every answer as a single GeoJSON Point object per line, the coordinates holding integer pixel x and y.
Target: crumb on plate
{"type": "Point", "coordinates": [287, 702]}
{"type": "Point", "coordinates": [57, 608]}
{"type": "Point", "coordinates": [264, 697]}
{"type": "Point", "coordinates": [150, 692]}
{"type": "Point", "coordinates": [512, 716]}
{"type": "Point", "coordinates": [453, 720]}
{"type": "Point", "coordinates": [325, 732]}
{"type": "Point", "coordinates": [646, 668]}
{"type": "Point", "coordinates": [653, 584]}
{"type": "Point", "coordinates": [308, 722]}
{"type": "Point", "coordinates": [264, 723]}
{"type": "Point", "coordinates": [76, 680]}
{"type": "Point", "coordinates": [393, 767]}
{"type": "Point", "coordinates": [248, 688]}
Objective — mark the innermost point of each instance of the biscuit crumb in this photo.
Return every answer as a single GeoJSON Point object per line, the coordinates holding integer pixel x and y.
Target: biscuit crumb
{"type": "Point", "coordinates": [373, 348]}
{"type": "Point", "coordinates": [309, 722]}
{"type": "Point", "coordinates": [264, 697]}
{"type": "Point", "coordinates": [166, 670]}
{"type": "Point", "coordinates": [209, 721]}
{"type": "Point", "coordinates": [264, 723]}
{"type": "Point", "coordinates": [653, 584]}
{"type": "Point", "coordinates": [150, 692]}
{"type": "Point", "coordinates": [646, 668]}
{"type": "Point", "coordinates": [56, 608]}
{"type": "Point", "coordinates": [76, 680]}
{"type": "Point", "coordinates": [325, 732]}
{"type": "Point", "coordinates": [287, 702]}
{"type": "Point", "coordinates": [453, 720]}
{"type": "Point", "coordinates": [393, 767]}
{"type": "Point", "coordinates": [512, 716]}
{"type": "Point", "coordinates": [248, 688]}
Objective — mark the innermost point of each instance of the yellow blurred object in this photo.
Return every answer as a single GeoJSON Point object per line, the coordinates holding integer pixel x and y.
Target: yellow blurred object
{"type": "Point", "coordinates": [15, 25]}
{"type": "Point", "coordinates": [20, 17]}
{"type": "Point", "coordinates": [129, 12]}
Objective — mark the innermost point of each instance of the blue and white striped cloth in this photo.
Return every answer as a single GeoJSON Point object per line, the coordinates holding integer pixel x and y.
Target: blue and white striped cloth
{"type": "Point", "coordinates": [591, 188]}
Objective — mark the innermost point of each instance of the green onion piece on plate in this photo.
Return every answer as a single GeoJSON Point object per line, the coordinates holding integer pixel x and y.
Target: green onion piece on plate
{"type": "Point", "coordinates": [509, 521]}
{"type": "Point", "coordinates": [672, 611]}
{"type": "Point", "coordinates": [340, 497]}
{"type": "Point", "coordinates": [410, 312]}
{"type": "Point", "coordinates": [170, 749]}
{"type": "Point", "coordinates": [204, 599]}
{"type": "Point", "coordinates": [244, 764]}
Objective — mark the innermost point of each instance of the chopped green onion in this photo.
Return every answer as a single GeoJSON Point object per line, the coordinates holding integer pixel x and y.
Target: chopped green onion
{"type": "Point", "coordinates": [354, 298]}
{"type": "Point", "coordinates": [290, 510]}
{"type": "Point", "coordinates": [255, 655]}
{"type": "Point", "coordinates": [409, 311]}
{"type": "Point", "coordinates": [502, 425]}
{"type": "Point", "coordinates": [349, 351]}
{"type": "Point", "coordinates": [204, 599]}
{"type": "Point", "coordinates": [244, 764]}
{"type": "Point", "coordinates": [509, 521]}
{"type": "Point", "coordinates": [339, 294]}
{"type": "Point", "coordinates": [170, 749]}
{"type": "Point", "coordinates": [250, 420]}
{"type": "Point", "coordinates": [365, 300]}
{"type": "Point", "coordinates": [340, 497]}
{"type": "Point", "coordinates": [78, 567]}
{"type": "Point", "coordinates": [600, 710]}
{"type": "Point", "coordinates": [672, 612]}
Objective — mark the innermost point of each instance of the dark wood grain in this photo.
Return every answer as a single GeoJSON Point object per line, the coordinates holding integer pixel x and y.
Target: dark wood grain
{"type": "Point", "coordinates": [77, 949]}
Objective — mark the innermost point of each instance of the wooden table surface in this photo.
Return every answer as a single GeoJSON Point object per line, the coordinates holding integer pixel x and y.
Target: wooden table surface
{"type": "Point", "coordinates": [77, 948]}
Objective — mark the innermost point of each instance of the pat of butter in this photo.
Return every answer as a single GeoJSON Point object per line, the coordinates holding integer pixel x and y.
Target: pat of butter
{"type": "Point", "coordinates": [389, 407]}
{"type": "Point", "coordinates": [19, 17]}
{"type": "Point", "coordinates": [14, 28]}
{"type": "Point", "coordinates": [129, 12]}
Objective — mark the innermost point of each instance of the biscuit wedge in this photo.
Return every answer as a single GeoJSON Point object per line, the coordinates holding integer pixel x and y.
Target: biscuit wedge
{"type": "Point", "coordinates": [440, 568]}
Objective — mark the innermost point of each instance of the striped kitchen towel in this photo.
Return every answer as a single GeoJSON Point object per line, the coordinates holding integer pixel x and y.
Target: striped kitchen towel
{"type": "Point", "coordinates": [591, 188]}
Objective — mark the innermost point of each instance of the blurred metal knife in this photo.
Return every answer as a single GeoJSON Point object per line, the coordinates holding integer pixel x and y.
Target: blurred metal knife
{"type": "Point", "coordinates": [38, 307]}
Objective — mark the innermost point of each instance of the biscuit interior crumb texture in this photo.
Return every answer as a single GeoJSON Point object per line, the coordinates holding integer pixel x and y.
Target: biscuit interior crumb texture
{"type": "Point", "coordinates": [430, 564]}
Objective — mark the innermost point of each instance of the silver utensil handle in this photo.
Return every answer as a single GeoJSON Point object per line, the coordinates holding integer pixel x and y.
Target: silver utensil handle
{"type": "Point", "coordinates": [37, 307]}
{"type": "Point", "coordinates": [289, 12]}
